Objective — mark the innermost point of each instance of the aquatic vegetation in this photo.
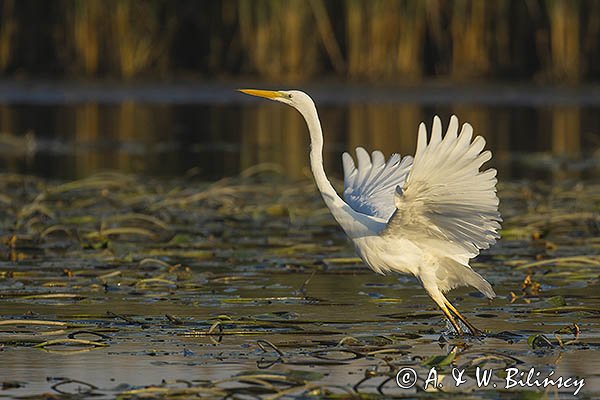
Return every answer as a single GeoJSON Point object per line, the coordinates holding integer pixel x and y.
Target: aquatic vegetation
{"type": "Point", "coordinates": [232, 289]}
{"type": "Point", "coordinates": [368, 40]}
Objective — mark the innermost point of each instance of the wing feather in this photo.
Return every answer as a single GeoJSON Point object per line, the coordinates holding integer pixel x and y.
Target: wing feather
{"type": "Point", "coordinates": [369, 188]}
{"type": "Point", "coordinates": [421, 140]}
{"type": "Point", "coordinates": [446, 195]}
{"type": "Point", "coordinates": [364, 166]}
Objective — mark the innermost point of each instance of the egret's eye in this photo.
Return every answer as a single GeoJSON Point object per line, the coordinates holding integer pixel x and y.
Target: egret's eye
{"type": "Point", "coordinates": [289, 96]}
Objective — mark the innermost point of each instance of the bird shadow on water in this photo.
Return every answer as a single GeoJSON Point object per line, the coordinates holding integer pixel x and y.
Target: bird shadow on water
{"type": "Point", "coordinates": [122, 286]}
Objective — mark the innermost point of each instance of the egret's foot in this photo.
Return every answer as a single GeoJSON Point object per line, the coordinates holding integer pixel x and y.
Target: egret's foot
{"type": "Point", "coordinates": [466, 332]}
{"type": "Point", "coordinates": [476, 332]}
{"type": "Point", "coordinates": [452, 314]}
{"type": "Point", "coordinates": [472, 329]}
{"type": "Point", "coordinates": [452, 321]}
{"type": "Point", "coordinates": [461, 329]}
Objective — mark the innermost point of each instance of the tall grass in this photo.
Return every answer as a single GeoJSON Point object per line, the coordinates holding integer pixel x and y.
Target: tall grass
{"type": "Point", "coordinates": [120, 37]}
{"type": "Point", "coordinates": [565, 39]}
{"type": "Point", "coordinates": [140, 37]}
{"type": "Point", "coordinates": [279, 38]}
{"type": "Point", "coordinates": [86, 21]}
{"type": "Point", "coordinates": [8, 26]}
{"type": "Point", "coordinates": [292, 40]}
{"type": "Point", "coordinates": [385, 39]}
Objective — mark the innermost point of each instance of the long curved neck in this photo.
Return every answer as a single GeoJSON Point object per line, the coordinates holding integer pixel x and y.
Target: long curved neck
{"type": "Point", "coordinates": [354, 224]}
{"type": "Point", "coordinates": [332, 199]}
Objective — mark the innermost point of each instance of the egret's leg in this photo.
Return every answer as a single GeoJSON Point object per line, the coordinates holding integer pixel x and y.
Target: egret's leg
{"type": "Point", "coordinates": [450, 318]}
{"type": "Point", "coordinates": [474, 331]}
{"type": "Point", "coordinates": [437, 296]}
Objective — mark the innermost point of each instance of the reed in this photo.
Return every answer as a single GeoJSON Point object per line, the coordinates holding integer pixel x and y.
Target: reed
{"type": "Point", "coordinates": [385, 38]}
{"type": "Point", "coordinates": [139, 39]}
{"type": "Point", "coordinates": [279, 38]}
{"type": "Point", "coordinates": [8, 26]}
{"type": "Point", "coordinates": [470, 33]}
{"type": "Point", "coordinates": [565, 17]}
{"type": "Point", "coordinates": [86, 21]}
{"type": "Point", "coordinates": [294, 40]}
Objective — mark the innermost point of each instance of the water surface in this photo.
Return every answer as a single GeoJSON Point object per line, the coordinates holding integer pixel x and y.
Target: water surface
{"type": "Point", "coordinates": [185, 282]}
{"type": "Point", "coordinates": [212, 131]}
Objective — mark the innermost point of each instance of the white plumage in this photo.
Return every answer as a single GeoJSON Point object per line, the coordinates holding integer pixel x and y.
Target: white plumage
{"type": "Point", "coordinates": [370, 188]}
{"type": "Point", "coordinates": [426, 216]}
{"type": "Point", "coordinates": [438, 201]}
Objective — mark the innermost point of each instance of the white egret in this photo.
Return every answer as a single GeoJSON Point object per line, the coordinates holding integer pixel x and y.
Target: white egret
{"type": "Point", "coordinates": [426, 216]}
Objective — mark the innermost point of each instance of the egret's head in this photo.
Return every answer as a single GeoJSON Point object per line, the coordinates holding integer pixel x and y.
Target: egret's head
{"type": "Point", "coordinates": [295, 98]}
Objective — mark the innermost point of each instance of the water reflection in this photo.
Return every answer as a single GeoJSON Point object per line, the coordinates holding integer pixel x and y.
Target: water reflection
{"type": "Point", "coordinates": [213, 141]}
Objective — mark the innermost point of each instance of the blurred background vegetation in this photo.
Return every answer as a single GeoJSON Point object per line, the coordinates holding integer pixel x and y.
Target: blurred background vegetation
{"type": "Point", "coordinates": [297, 40]}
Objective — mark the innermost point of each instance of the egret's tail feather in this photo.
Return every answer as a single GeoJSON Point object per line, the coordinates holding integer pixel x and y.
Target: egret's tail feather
{"type": "Point", "coordinates": [479, 283]}
{"type": "Point", "coordinates": [452, 274]}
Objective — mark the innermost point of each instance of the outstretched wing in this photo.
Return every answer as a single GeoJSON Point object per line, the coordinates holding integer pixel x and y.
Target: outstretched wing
{"type": "Point", "coordinates": [446, 196]}
{"type": "Point", "coordinates": [370, 188]}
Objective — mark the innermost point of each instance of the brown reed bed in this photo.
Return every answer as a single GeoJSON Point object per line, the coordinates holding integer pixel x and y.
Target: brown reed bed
{"type": "Point", "coordinates": [366, 40]}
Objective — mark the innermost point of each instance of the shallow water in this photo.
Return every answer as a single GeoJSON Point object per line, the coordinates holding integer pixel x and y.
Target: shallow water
{"type": "Point", "coordinates": [256, 259]}
{"type": "Point", "coordinates": [186, 284]}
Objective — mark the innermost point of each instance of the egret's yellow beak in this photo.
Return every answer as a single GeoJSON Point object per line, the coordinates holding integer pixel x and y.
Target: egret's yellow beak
{"type": "Point", "coordinates": [269, 94]}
